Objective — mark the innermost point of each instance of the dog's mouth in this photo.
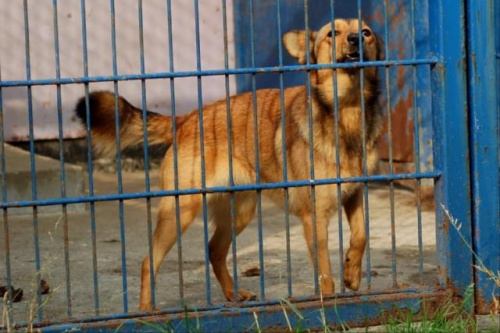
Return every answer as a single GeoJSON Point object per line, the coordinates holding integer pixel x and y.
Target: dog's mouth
{"type": "Point", "coordinates": [352, 57]}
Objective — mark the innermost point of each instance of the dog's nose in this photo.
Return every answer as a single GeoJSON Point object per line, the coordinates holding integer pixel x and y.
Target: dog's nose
{"type": "Point", "coordinates": [353, 39]}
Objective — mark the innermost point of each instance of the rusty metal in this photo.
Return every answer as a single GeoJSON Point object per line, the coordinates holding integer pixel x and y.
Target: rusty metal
{"type": "Point", "coordinates": [342, 311]}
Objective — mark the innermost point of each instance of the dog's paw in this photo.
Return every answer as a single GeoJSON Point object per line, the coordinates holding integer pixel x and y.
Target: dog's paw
{"type": "Point", "coordinates": [327, 286]}
{"type": "Point", "coordinates": [352, 275]}
{"type": "Point", "coordinates": [145, 307]}
{"type": "Point", "coordinates": [246, 295]}
{"type": "Point", "coordinates": [243, 295]}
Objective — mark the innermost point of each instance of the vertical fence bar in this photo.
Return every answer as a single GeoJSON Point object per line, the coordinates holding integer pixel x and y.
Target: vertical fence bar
{"type": "Point", "coordinates": [311, 150]}
{"type": "Point", "coordinates": [61, 159]}
{"type": "Point", "coordinates": [283, 153]}
{"type": "Point", "coordinates": [450, 145]}
{"type": "Point", "coordinates": [497, 33]}
{"type": "Point", "coordinates": [3, 179]}
{"type": "Point", "coordinates": [176, 166]}
{"type": "Point", "coordinates": [121, 215]}
{"type": "Point", "coordinates": [337, 149]}
{"type": "Point", "coordinates": [32, 162]}
{"type": "Point", "coordinates": [484, 131]}
{"type": "Point", "coordinates": [390, 138]}
{"type": "Point", "coordinates": [89, 158]}
{"type": "Point", "coordinates": [416, 135]}
{"type": "Point", "coordinates": [257, 155]}
{"type": "Point", "coordinates": [232, 201]}
{"type": "Point", "coordinates": [202, 156]}
{"type": "Point", "coordinates": [365, 171]}
{"type": "Point", "coordinates": [147, 182]}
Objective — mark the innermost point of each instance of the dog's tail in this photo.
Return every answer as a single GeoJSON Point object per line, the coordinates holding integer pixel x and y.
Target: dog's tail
{"type": "Point", "coordinates": [103, 126]}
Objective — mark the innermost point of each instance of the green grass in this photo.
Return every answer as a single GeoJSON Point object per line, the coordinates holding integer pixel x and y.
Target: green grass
{"type": "Point", "coordinates": [449, 317]}
{"type": "Point", "coordinates": [190, 325]}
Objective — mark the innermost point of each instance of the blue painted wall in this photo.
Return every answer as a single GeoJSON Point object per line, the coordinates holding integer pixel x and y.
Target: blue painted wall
{"type": "Point", "coordinates": [265, 14]}
{"type": "Point", "coordinates": [402, 92]}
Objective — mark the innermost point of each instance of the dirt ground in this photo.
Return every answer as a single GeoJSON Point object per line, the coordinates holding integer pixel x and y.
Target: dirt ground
{"type": "Point", "coordinates": [110, 264]}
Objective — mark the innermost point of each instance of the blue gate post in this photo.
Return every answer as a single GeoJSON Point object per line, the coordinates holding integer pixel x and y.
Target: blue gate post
{"type": "Point", "coordinates": [451, 157]}
{"type": "Point", "coordinates": [483, 124]}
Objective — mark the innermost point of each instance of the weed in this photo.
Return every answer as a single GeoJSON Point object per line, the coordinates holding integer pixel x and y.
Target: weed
{"type": "Point", "coordinates": [5, 313]}
{"type": "Point", "coordinates": [449, 317]}
{"type": "Point", "coordinates": [256, 319]}
{"type": "Point", "coordinates": [495, 276]}
{"type": "Point", "coordinates": [299, 325]}
{"type": "Point", "coordinates": [190, 325]}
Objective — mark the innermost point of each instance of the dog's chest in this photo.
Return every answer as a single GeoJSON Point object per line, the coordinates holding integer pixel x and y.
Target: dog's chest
{"type": "Point", "coordinates": [346, 162]}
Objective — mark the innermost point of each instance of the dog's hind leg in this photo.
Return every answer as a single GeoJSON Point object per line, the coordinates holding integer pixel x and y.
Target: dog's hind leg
{"type": "Point", "coordinates": [165, 236]}
{"type": "Point", "coordinates": [221, 239]}
{"type": "Point", "coordinates": [352, 265]}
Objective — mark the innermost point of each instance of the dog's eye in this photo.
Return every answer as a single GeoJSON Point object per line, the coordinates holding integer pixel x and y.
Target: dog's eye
{"type": "Point", "coordinates": [366, 33]}
{"type": "Point", "coordinates": [330, 33]}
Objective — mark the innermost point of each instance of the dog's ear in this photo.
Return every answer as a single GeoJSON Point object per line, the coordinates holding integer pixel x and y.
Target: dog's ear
{"type": "Point", "coordinates": [295, 43]}
{"type": "Point", "coordinates": [380, 48]}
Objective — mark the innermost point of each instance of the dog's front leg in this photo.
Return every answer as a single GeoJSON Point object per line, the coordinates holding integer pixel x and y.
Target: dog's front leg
{"type": "Point", "coordinates": [352, 265]}
{"type": "Point", "coordinates": [324, 267]}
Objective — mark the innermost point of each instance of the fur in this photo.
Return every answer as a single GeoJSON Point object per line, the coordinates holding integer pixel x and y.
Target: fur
{"type": "Point", "coordinates": [102, 109]}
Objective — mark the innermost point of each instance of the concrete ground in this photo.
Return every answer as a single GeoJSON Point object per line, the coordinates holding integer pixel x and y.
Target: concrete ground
{"type": "Point", "coordinates": [48, 180]}
{"type": "Point", "coordinates": [110, 265]}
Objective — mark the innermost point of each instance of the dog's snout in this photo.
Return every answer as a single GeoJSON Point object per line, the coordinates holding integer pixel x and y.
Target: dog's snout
{"type": "Point", "coordinates": [353, 39]}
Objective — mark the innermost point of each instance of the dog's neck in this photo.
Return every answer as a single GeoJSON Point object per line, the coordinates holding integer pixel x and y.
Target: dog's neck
{"type": "Point", "coordinates": [349, 111]}
{"type": "Point", "coordinates": [348, 106]}
{"type": "Point", "coordinates": [347, 90]}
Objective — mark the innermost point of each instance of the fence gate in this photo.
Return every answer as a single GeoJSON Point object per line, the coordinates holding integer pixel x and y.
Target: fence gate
{"type": "Point", "coordinates": [441, 134]}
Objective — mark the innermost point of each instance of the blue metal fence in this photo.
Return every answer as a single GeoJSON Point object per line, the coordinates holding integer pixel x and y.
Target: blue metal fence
{"type": "Point", "coordinates": [464, 108]}
{"type": "Point", "coordinates": [484, 162]}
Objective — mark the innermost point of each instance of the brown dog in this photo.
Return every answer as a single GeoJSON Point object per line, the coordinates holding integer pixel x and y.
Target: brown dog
{"type": "Point", "coordinates": [102, 107]}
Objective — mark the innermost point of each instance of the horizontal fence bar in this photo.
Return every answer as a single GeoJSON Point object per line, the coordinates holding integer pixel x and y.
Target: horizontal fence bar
{"type": "Point", "coordinates": [240, 307]}
{"type": "Point", "coordinates": [259, 70]}
{"type": "Point", "coordinates": [221, 189]}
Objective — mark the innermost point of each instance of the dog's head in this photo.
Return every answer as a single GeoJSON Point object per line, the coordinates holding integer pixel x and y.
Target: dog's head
{"type": "Point", "coordinates": [347, 43]}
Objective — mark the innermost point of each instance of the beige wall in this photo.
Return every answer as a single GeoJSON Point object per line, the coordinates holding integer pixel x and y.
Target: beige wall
{"type": "Point", "coordinates": [12, 56]}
